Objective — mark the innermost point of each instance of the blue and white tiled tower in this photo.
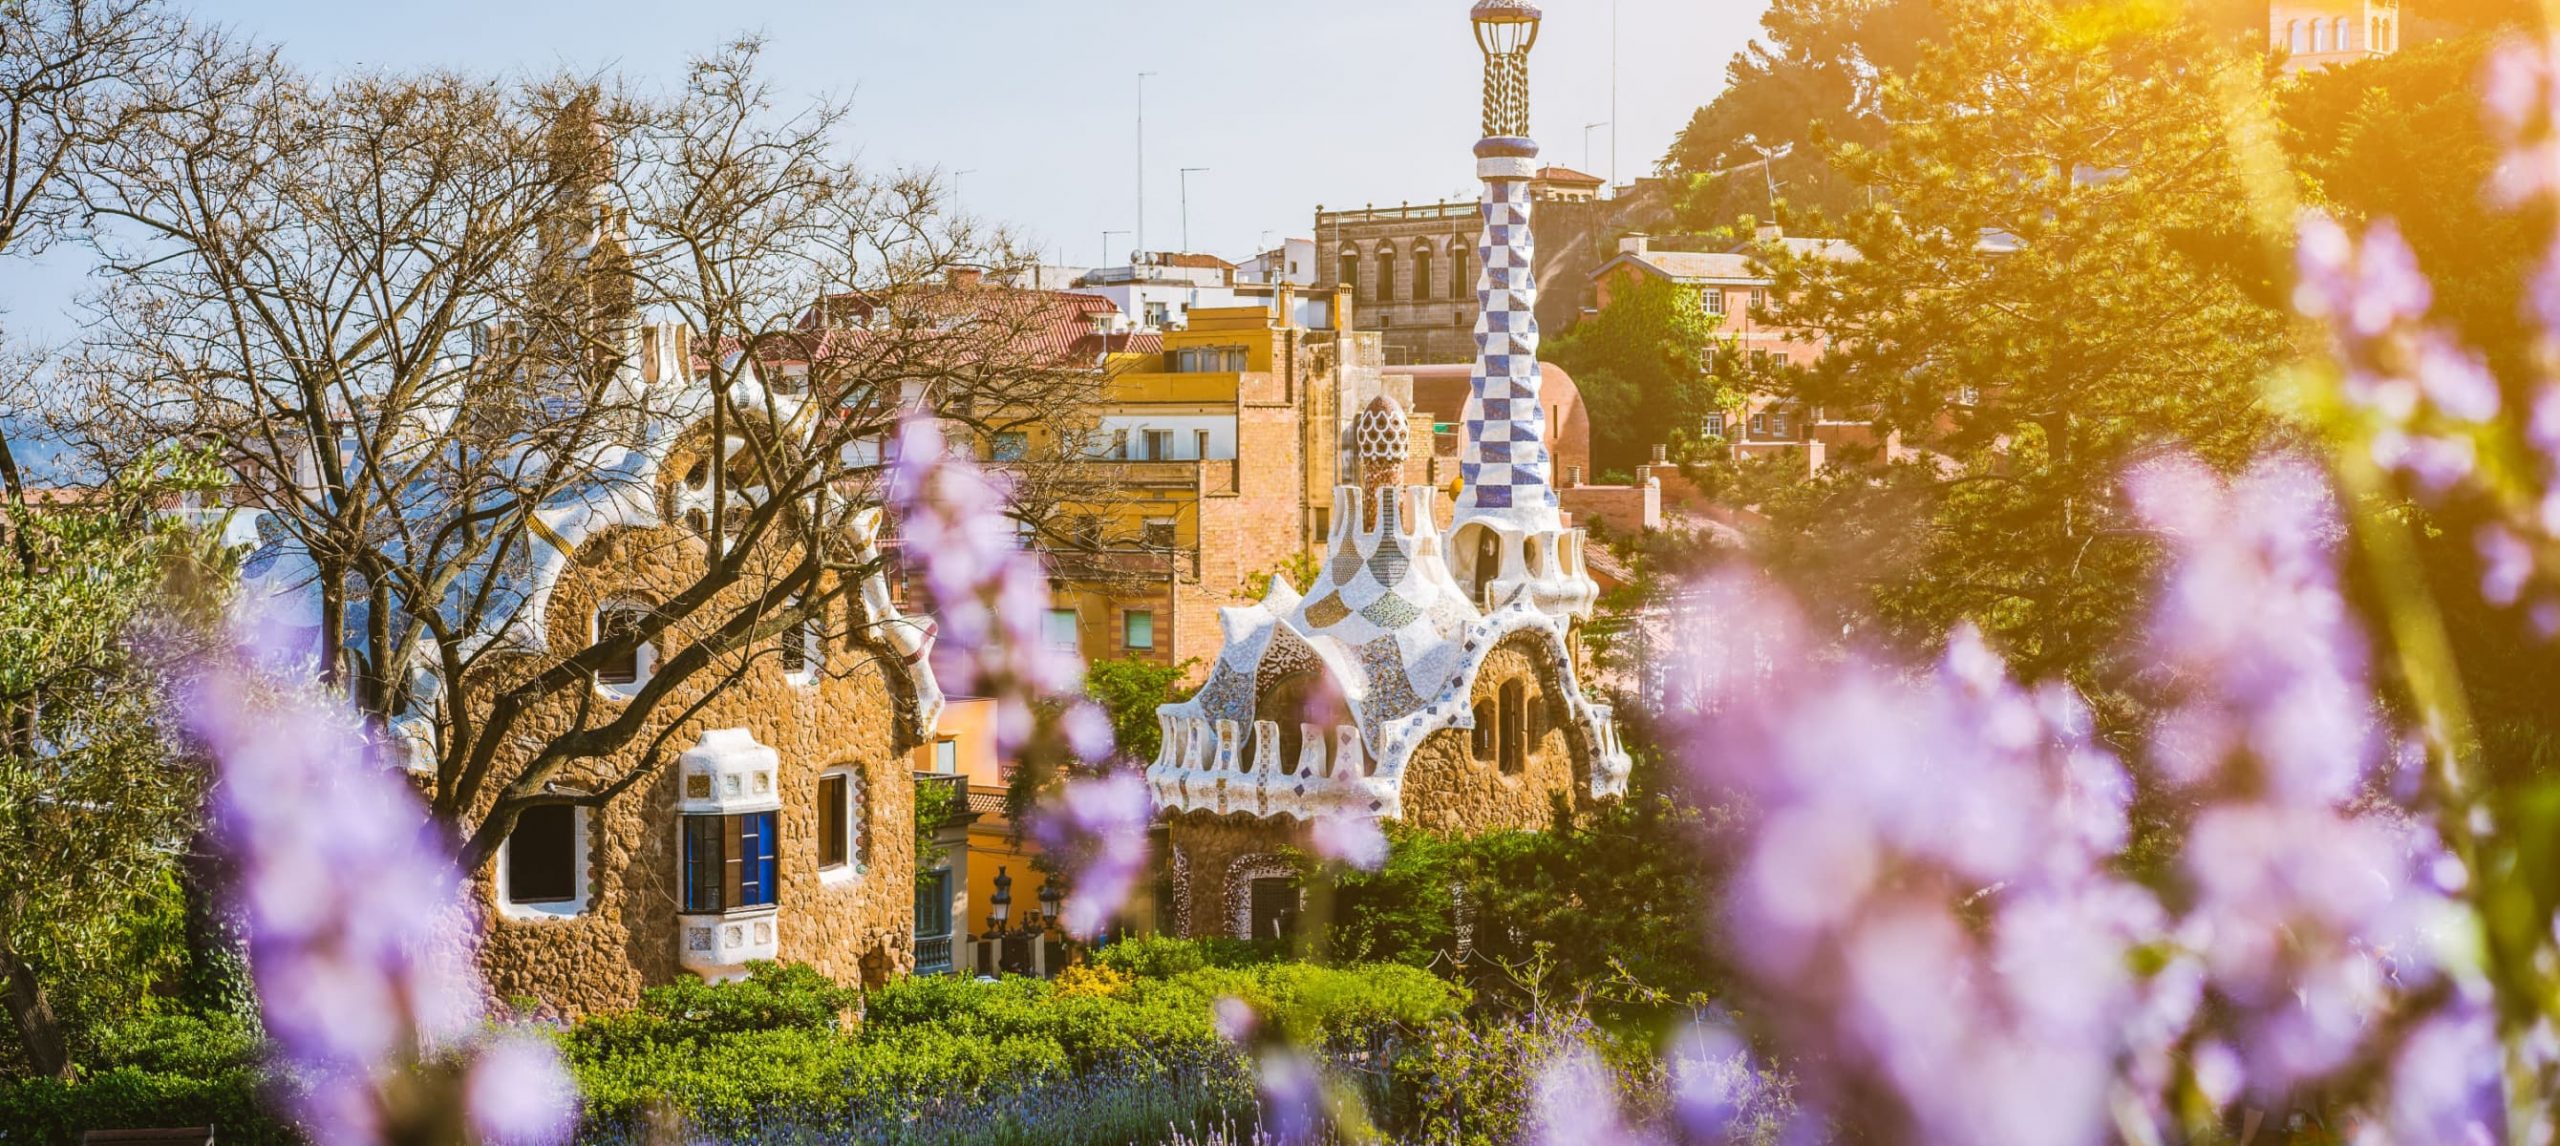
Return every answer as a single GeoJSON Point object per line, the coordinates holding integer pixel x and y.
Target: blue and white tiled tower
{"type": "Point", "coordinates": [1507, 534]}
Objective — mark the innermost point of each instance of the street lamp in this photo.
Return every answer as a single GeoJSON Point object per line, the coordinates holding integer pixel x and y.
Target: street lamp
{"type": "Point", "coordinates": [1506, 30]}
{"type": "Point", "coordinates": [1051, 895]}
{"type": "Point", "coordinates": [1001, 903]}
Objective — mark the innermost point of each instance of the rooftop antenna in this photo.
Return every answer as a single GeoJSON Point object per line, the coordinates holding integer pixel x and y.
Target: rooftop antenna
{"type": "Point", "coordinates": [1142, 161]}
{"type": "Point", "coordinates": [1613, 99]}
{"type": "Point", "coordinates": [1106, 246]}
{"type": "Point", "coordinates": [1587, 129]}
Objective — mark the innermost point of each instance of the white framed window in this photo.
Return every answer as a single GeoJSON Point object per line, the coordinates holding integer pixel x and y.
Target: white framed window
{"type": "Point", "coordinates": [623, 676]}
{"type": "Point", "coordinates": [1714, 297]}
{"type": "Point", "coordinates": [839, 825]}
{"type": "Point", "coordinates": [946, 755]}
{"type": "Point", "coordinates": [1060, 629]}
{"type": "Point", "coordinates": [1714, 427]}
{"type": "Point", "coordinates": [1158, 446]}
{"type": "Point", "coordinates": [542, 865]}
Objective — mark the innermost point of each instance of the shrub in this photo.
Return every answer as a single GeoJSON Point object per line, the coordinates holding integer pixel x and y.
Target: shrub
{"type": "Point", "coordinates": [1160, 957]}
{"type": "Point", "coordinates": [49, 1111]}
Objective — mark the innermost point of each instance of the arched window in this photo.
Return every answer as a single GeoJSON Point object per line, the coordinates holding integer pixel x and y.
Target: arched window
{"type": "Point", "coordinates": [1515, 727]}
{"type": "Point", "coordinates": [1481, 741]}
{"type": "Point", "coordinates": [2338, 35]}
{"type": "Point", "coordinates": [1462, 285]}
{"type": "Point", "coordinates": [2293, 40]}
{"type": "Point", "coordinates": [1422, 284]}
{"type": "Point", "coordinates": [1351, 269]}
{"type": "Point", "coordinates": [1386, 274]}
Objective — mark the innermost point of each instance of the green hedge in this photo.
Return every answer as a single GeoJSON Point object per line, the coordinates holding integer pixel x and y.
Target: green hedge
{"type": "Point", "coordinates": [154, 1071]}
{"type": "Point", "coordinates": [935, 1049]}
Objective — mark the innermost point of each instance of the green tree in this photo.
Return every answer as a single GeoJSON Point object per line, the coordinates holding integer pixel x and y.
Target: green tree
{"type": "Point", "coordinates": [101, 608]}
{"type": "Point", "coordinates": [1642, 368]}
{"type": "Point", "coordinates": [2057, 286]}
{"type": "Point", "coordinates": [1130, 690]}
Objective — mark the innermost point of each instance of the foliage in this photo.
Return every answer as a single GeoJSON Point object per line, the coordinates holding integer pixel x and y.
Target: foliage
{"type": "Point", "coordinates": [1641, 367]}
{"type": "Point", "coordinates": [1163, 956]}
{"type": "Point", "coordinates": [1614, 908]}
{"type": "Point", "coordinates": [936, 804]}
{"type": "Point", "coordinates": [100, 605]}
{"type": "Point", "coordinates": [1129, 691]}
{"type": "Point", "coordinates": [769, 1051]}
{"type": "Point", "coordinates": [1298, 569]}
{"type": "Point", "coordinates": [2027, 331]}
{"type": "Point", "coordinates": [152, 1070]}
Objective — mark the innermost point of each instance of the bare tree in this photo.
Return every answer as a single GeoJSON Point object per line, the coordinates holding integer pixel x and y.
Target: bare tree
{"type": "Point", "coordinates": [421, 313]}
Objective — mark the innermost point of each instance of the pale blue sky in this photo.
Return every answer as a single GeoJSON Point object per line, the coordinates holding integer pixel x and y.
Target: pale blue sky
{"type": "Point", "coordinates": [1291, 105]}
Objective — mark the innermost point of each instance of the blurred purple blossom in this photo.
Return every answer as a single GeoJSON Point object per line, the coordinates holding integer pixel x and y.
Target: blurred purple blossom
{"type": "Point", "coordinates": [1349, 836]}
{"type": "Point", "coordinates": [353, 906]}
{"type": "Point", "coordinates": [1097, 831]}
{"type": "Point", "coordinates": [1576, 1103]}
{"type": "Point", "coordinates": [519, 1092]}
{"type": "Point", "coordinates": [989, 596]}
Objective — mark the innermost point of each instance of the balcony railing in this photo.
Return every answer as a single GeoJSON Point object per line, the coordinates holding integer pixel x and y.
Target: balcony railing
{"type": "Point", "coordinates": [933, 954]}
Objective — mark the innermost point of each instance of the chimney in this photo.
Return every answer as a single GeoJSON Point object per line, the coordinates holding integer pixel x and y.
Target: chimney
{"type": "Point", "coordinates": [967, 277]}
{"type": "Point", "coordinates": [1662, 455]}
{"type": "Point", "coordinates": [1637, 243]}
{"type": "Point", "coordinates": [1769, 233]}
{"type": "Point", "coordinates": [1573, 477]}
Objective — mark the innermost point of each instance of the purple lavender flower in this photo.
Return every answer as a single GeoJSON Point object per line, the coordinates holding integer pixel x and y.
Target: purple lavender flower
{"type": "Point", "coordinates": [518, 1092]}
{"type": "Point", "coordinates": [1576, 1103]}
{"type": "Point", "coordinates": [352, 902]}
{"type": "Point", "coordinates": [989, 596]}
{"type": "Point", "coordinates": [1098, 831]}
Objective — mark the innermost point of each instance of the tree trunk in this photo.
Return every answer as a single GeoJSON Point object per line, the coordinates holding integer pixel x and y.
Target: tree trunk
{"type": "Point", "coordinates": [39, 1032]}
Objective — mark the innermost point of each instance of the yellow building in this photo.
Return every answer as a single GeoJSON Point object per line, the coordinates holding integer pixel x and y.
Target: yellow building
{"type": "Point", "coordinates": [1225, 446]}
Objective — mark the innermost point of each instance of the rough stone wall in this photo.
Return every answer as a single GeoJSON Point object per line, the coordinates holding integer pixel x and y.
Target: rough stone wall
{"type": "Point", "coordinates": [1210, 846]}
{"type": "Point", "coordinates": [1446, 789]}
{"type": "Point", "coordinates": [856, 929]}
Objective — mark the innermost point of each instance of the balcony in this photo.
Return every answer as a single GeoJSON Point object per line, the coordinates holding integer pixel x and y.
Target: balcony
{"type": "Point", "coordinates": [933, 955]}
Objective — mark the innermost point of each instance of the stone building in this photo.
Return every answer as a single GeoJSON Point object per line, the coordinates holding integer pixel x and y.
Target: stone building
{"type": "Point", "coordinates": [779, 826]}
{"type": "Point", "coordinates": [2314, 34]}
{"type": "Point", "coordinates": [1219, 443]}
{"type": "Point", "coordinates": [1414, 272]}
{"type": "Point", "coordinates": [1430, 674]}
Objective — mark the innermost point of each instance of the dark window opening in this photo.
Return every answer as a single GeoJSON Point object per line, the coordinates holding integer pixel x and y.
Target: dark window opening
{"type": "Point", "coordinates": [835, 820]}
{"type": "Point", "coordinates": [1275, 908]}
{"type": "Point", "coordinates": [933, 904]}
{"type": "Point", "coordinates": [542, 856]}
{"type": "Point", "coordinates": [1515, 738]}
{"type": "Point", "coordinates": [729, 862]}
{"type": "Point", "coordinates": [1481, 740]}
{"type": "Point", "coordinates": [1422, 284]}
{"type": "Point", "coordinates": [612, 624]}
{"type": "Point", "coordinates": [797, 640]}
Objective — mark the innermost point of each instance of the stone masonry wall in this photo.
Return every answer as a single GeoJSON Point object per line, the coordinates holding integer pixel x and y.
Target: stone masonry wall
{"type": "Point", "coordinates": [857, 926]}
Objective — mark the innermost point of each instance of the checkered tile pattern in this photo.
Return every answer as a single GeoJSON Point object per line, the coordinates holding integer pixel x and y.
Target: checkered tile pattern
{"type": "Point", "coordinates": [1506, 465]}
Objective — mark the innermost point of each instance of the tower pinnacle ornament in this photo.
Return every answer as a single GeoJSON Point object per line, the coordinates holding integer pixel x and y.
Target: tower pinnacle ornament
{"type": "Point", "coordinates": [1505, 466]}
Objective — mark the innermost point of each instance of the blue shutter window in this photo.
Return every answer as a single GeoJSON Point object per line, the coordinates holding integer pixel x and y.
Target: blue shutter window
{"type": "Point", "coordinates": [730, 862]}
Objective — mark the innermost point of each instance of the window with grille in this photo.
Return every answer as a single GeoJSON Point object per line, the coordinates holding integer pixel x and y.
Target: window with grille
{"type": "Point", "coordinates": [729, 862]}
{"type": "Point", "coordinates": [1715, 300]}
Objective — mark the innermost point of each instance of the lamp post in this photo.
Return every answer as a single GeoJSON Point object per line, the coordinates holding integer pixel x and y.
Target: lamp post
{"type": "Point", "coordinates": [1051, 895]}
{"type": "Point", "coordinates": [1506, 30]}
{"type": "Point", "coordinates": [1000, 905]}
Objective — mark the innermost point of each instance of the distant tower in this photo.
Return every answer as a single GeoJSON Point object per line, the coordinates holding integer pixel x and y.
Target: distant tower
{"type": "Point", "coordinates": [1506, 534]}
{"type": "Point", "coordinates": [2313, 34]}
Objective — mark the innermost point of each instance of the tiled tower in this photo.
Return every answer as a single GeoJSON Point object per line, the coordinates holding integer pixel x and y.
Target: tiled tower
{"type": "Point", "coordinates": [1506, 534]}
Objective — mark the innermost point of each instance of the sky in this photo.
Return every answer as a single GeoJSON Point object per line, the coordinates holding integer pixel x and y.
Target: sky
{"type": "Point", "coordinates": [1290, 106]}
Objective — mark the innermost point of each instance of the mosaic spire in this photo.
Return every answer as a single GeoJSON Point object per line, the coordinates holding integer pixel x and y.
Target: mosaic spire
{"type": "Point", "coordinates": [1506, 469]}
